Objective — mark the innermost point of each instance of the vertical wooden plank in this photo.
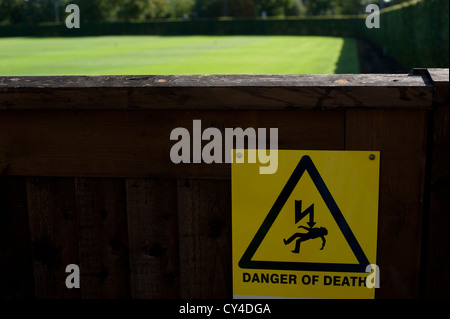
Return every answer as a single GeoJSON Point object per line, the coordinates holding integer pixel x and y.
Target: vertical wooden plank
{"type": "Point", "coordinates": [53, 229]}
{"type": "Point", "coordinates": [153, 238]}
{"type": "Point", "coordinates": [204, 209]}
{"type": "Point", "coordinates": [16, 271]}
{"type": "Point", "coordinates": [437, 262]}
{"type": "Point", "coordinates": [103, 240]}
{"type": "Point", "coordinates": [400, 135]}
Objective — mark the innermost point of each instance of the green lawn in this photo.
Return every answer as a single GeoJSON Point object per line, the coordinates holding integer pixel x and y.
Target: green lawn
{"type": "Point", "coordinates": [135, 55]}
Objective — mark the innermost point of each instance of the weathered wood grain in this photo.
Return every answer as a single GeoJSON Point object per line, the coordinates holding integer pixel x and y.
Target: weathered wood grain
{"type": "Point", "coordinates": [205, 238]}
{"type": "Point", "coordinates": [401, 138]}
{"type": "Point", "coordinates": [216, 92]}
{"type": "Point", "coordinates": [103, 243]}
{"type": "Point", "coordinates": [436, 244]}
{"type": "Point", "coordinates": [215, 80]}
{"type": "Point", "coordinates": [54, 234]}
{"type": "Point", "coordinates": [153, 238]}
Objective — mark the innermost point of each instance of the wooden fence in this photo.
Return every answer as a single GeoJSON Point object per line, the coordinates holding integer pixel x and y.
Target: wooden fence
{"type": "Point", "coordinates": [86, 177]}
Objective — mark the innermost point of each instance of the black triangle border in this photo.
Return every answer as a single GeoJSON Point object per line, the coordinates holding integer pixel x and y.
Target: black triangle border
{"type": "Point", "coordinates": [305, 164]}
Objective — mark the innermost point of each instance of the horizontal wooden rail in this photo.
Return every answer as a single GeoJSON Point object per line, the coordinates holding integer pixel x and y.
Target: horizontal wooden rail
{"type": "Point", "coordinates": [217, 92]}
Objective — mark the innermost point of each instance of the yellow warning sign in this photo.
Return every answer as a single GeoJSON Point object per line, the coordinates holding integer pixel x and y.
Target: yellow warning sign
{"type": "Point", "coordinates": [310, 229]}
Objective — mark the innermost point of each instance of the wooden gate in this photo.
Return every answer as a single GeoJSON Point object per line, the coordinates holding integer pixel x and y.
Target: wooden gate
{"type": "Point", "coordinates": [86, 177]}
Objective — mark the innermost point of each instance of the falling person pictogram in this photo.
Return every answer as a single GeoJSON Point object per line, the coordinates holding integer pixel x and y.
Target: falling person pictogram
{"type": "Point", "coordinates": [312, 233]}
